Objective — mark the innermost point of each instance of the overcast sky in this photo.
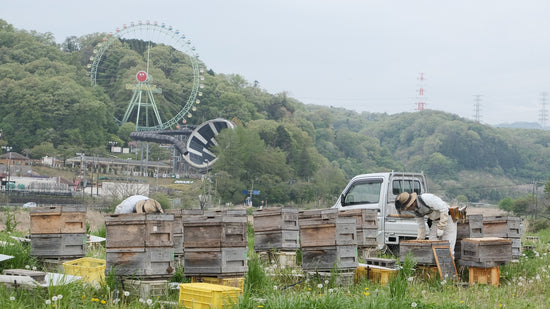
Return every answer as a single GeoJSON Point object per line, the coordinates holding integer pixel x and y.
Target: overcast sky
{"type": "Point", "coordinates": [357, 54]}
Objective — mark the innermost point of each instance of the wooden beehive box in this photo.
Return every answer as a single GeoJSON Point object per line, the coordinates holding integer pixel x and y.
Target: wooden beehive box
{"type": "Point", "coordinates": [215, 261]}
{"type": "Point", "coordinates": [331, 232]}
{"type": "Point", "coordinates": [215, 232]}
{"type": "Point", "coordinates": [502, 226]}
{"type": "Point", "coordinates": [420, 250]}
{"type": "Point", "coordinates": [156, 262]}
{"type": "Point", "coordinates": [276, 218]}
{"type": "Point", "coordinates": [324, 214]}
{"type": "Point", "coordinates": [329, 258]}
{"type": "Point", "coordinates": [485, 251]}
{"type": "Point", "coordinates": [177, 230]}
{"type": "Point", "coordinates": [58, 220]}
{"type": "Point", "coordinates": [366, 218]}
{"type": "Point", "coordinates": [138, 230]}
{"type": "Point", "coordinates": [472, 227]}
{"type": "Point", "coordinates": [58, 245]}
{"type": "Point", "coordinates": [367, 237]}
{"type": "Point", "coordinates": [279, 240]}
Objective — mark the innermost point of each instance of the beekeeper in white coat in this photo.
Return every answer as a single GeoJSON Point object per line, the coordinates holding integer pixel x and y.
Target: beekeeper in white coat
{"type": "Point", "coordinates": [443, 226]}
{"type": "Point", "coordinates": [138, 204]}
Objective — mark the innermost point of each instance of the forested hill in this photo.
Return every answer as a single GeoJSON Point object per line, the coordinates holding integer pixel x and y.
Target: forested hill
{"type": "Point", "coordinates": [293, 153]}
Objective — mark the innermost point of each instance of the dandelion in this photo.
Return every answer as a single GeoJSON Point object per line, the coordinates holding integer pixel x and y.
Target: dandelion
{"type": "Point", "coordinates": [294, 271]}
{"type": "Point", "coordinates": [149, 302]}
{"type": "Point", "coordinates": [410, 279]}
{"type": "Point", "coordinates": [275, 287]}
{"type": "Point", "coordinates": [34, 268]}
{"type": "Point", "coordinates": [260, 306]}
{"type": "Point", "coordinates": [103, 302]}
{"type": "Point", "coordinates": [330, 290]}
{"type": "Point", "coordinates": [141, 300]}
{"type": "Point", "coordinates": [54, 298]}
{"type": "Point", "coordinates": [320, 285]}
{"type": "Point", "coordinates": [366, 289]}
{"type": "Point", "coordinates": [443, 282]}
{"type": "Point", "coordinates": [283, 267]}
{"type": "Point", "coordinates": [366, 293]}
{"type": "Point", "coordinates": [59, 297]}
{"type": "Point", "coordinates": [326, 281]}
{"type": "Point", "coordinates": [48, 301]}
{"type": "Point", "coordinates": [27, 267]}
{"type": "Point", "coordinates": [461, 301]}
{"type": "Point", "coordinates": [126, 293]}
{"type": "Point", "coordinates": [520, 284]}
{"type": "Point", "coordinates": [12, 298]}
{"type": "Point", "coordinates": [413, 304]}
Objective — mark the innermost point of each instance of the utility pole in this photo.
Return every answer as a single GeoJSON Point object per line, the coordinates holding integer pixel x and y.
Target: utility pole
{"type": "Point", "coordinates": [477, 108]}
{"type": "Point", "coordinates": [8, 150]}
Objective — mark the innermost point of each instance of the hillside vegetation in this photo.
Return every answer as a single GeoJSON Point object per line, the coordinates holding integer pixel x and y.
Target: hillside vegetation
{"type": "Point", "coordinates": [293, 153]}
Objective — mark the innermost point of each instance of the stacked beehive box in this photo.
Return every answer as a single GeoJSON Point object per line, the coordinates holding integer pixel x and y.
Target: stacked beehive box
{"type": "Point", "coordinates": [328, 242]}
{"type": "Point", "coordinates": [508, 227]}
{"type": "Point", "coordinates": [276, 234]}
{"type": "Point", "coordinates": [140, 245]}
{"type": "Point", "coordinates": [177, 235]}
{"type": "Point", "coordinates": [367, 229]}
{"type": "Point", "coordinates": [58, 232]}
{"type": "Point", "coordinates": [421, 251]}
{"type": "Point", "coordinates": [471, 227]}
{"type": "Point", "coordinates": [215, 244]}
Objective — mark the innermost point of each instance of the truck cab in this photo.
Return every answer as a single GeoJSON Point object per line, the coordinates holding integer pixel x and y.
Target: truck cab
{"type": "Point", "coordinates": [378, 191]}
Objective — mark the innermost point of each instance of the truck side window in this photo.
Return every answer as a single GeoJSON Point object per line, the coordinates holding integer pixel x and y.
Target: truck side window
{"type": "Point", "coordinates": [406, 185]}
{"type": "Point", "coordinates": [364, 192]}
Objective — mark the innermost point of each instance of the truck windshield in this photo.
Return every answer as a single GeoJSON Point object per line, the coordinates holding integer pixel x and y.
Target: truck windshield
{"type": "Point", "coordinates": [364, 192]}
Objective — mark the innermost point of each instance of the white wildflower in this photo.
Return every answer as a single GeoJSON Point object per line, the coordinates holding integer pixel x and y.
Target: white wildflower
{"type": "Point", "coordinates": [326, 281]}
{"type": "Point", "coordinates": [59, 297]}
{"type": "Point", "coordinates": [413, 304]}
{"type": "Point", "coordinates": [12, 298]}
{"type": "Point", "coordinates": [410, 279]}
{"type": "Point", "coordinates": [27, 267]}
{"type": "Point", "coordinates": [149, 302]}
{"type": "Point", "coordinates": [320, 285]}
{"type": "Point", "coordinates": [275, 287]}
{"type": "Point", "coordinates": [48, 301]}
{"type": "Point", "coordinates": [330, 290]}
{"type": "Point", "coordinates": [126, 293]}
{"type": "Point", "coordinates": [34, 268]}
{"type": "Point", "coordinates": [54, 299]}
{"type": "Point", "coordinates": [141, 300]}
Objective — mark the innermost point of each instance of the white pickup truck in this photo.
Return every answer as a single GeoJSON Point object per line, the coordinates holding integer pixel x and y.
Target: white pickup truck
{"type": "Point", "coordinates": [378, 191]}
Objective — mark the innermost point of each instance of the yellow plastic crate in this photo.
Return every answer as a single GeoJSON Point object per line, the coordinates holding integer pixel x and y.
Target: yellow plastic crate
{"type": "Point", "coordinates": [380, 275]}
{"type": "Point", "coordinates": [90, 269]}
{"type": "Point", "coordinates": [207, 296]}
{"type": "Point", "coordinates": [237, 282]}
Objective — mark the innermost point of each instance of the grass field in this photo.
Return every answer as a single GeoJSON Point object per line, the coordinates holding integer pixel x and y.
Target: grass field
{"type": "Point", "coordinates": [523, 284]}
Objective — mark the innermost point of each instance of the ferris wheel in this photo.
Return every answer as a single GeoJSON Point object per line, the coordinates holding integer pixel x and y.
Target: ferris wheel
{"type": "Point", "coordinates": [150, 72]}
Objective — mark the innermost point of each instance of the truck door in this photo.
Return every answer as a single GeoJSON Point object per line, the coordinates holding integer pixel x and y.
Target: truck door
{"type": "Point", "coordinates": [400, 226]}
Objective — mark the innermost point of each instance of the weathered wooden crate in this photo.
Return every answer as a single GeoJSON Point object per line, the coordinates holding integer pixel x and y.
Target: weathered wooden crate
{"type": "Point", "coordinates": [324, 214]}
{"type": "Point", "coordinates": [366, 237]}
{"type": "Point", "coordinates": [58, 220]}
{"type": "Point", "coordinates": [472, 227]}
{"type": "Point", "coordinates": [366, 218]}
{"type": "Point", "coordinates": [139, 230]}
{"type": "Point", "coordinates": [215, 261]}
{"type": "Point", "coordinates": [375, 273]}
{"type": "Point", "coordinates": [420, 250]}
{"type": "Point", "coordinates": [215, 232]}
{"type": "Point", "coordinates": [279, 258]}
{"type": "Point", "coordinates": [479, 275]}
{"type": "Point", "coordinates": [275, 219]}
{"type": "Point", "coordinates": [58, 245]}
{"type": "Point", "coordinates": [154, 262]}
{"type": "Point", "coordinates": [502, 226]}
{"type": "Point", "coordinates": [177, 230]}
{"type": "Point", "coordinates": [38, 276]}
{"type": "Point", "coordinates": [278, 240]}
{"type": "Point", "coordinates": [516, 248]}
{"type": "Point", "coordinates": [323, 233]}
{"type": "Point", "coordinates": [485, 252]}
{"type": "Point", "coordinates": [330, 257]}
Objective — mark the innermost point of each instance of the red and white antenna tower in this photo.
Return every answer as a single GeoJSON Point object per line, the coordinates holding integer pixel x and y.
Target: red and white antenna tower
{"type": "Point", "coordinates": [421, 102]}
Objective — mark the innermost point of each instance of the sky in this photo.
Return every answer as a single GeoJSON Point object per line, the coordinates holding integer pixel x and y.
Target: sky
{"type": "Point", "coordinates": [492, 56]}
